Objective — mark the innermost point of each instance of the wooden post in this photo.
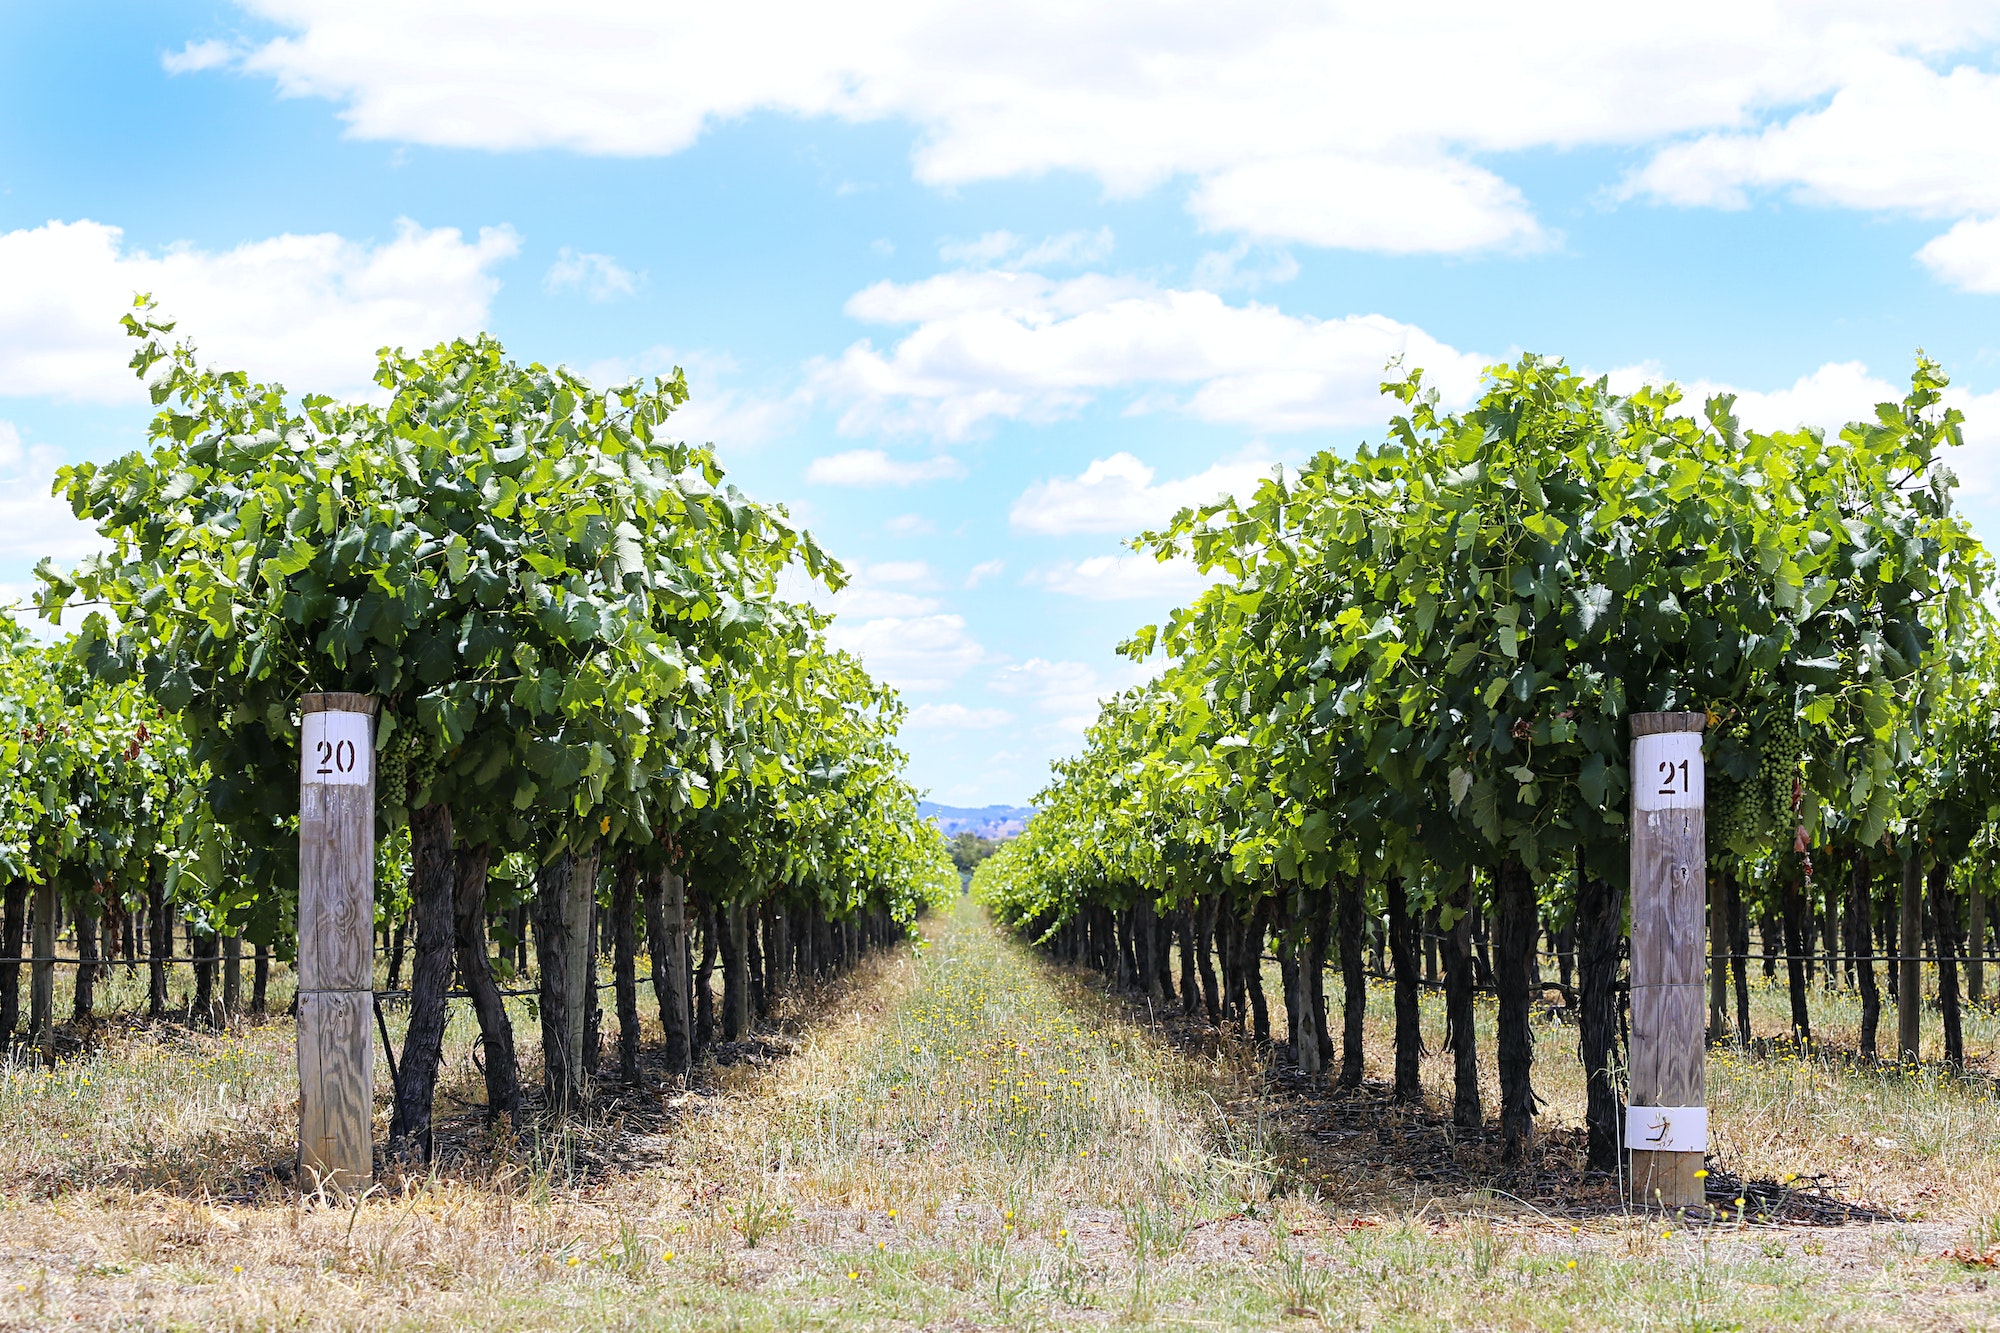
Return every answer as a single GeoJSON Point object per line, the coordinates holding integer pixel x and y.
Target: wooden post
{"type": "Point", "coordinates": [336, 942]}
{"type": "Point", "coordinates": [1666, 1124]}
{"type": "Point", "coordinates": [232, 974]}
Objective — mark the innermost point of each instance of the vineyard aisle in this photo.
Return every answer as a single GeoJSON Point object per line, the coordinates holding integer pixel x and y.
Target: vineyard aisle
{"type": "Point", "coordinates": [962, 1136]}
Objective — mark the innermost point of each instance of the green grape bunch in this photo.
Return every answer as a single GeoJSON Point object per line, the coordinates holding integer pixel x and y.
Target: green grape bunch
{"type": "Point", "coordinates": [1746, 814]}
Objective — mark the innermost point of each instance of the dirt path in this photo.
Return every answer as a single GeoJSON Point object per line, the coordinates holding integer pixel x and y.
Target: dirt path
{"type": "Point", "coordinates": [959, 1137]}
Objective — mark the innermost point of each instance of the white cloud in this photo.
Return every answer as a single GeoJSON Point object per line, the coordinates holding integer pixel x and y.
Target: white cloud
{"type": "Point", "coordinates": [1327, 124]}
{"type": "Point", "coordinates": [727, 417]}
{"type": "Point", "coordinates": [984, 570]}
{"type": "Point", "coordinates": [1967, 257]}
{"type": "Point", "coordinates": [885, 588]}
{"type": "Point", "coordinates": [996, 345]}
{"type": "Point", "coordinates": [197, 56]}
{"type": "Point", "coordinates": [1898, 136]}
{"type": "Point", "coordinates": [1415, 206]}
{"type": "Point", "coordinates": [956, 717]}
{"type": "Point", "coordinates": [990, 248]}
{"type": "Point", "coordinates": [1068, 694]}
{"type": "Point", "coordinates": [309, 311]}
{"type": "Point", "coordinates": [600, 277]}
{"type": "Point", "coordinates": [1006, 250]}
{"type": "Point", "coordinates": [1117, 494]}
{"type": "Point", "coordinates": [1840, 392]}
{"type": "Point", "coordinates": [1116, 578]}
{"type": "Point", "coordinates": [34, 523]}
{"type": "Point", "coordinates": [915, 653]}
{"type": "Point", "coordinates": [873, 467]}
{"type": "Point", "coordinates": [1072, 247]}
{"type": "Point", "coordinates": [909, 525]}
{"type": "Point", "coordinates": [1225, 270]}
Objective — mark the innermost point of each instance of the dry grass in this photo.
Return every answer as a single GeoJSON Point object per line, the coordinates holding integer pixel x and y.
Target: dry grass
{"type": "Point", "coordinates": [961, 1137]}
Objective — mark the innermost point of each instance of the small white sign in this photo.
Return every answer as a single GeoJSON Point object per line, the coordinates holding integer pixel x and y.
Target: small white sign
{"type": "Point", "coordinates": [1667, 1128]}
{"type": "Point", "coordinates": [337, 751]}
{"type": "Point", "coordinates": [1667, 772]}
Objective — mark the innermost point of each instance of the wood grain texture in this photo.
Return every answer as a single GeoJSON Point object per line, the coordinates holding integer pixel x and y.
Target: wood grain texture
{"type": "Point", "coordinates": [1669, 902]}
{"type": "Point", "coordinates": [1666, 1179]}
{"type": "Point", "coordinates": [336, 1090]}
{"type": "Point", "coordinates": [336, 970]}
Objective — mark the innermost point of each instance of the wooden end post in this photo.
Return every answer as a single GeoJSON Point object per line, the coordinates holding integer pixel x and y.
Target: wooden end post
{"type": "Point", "coordinates": [1666, 1124]}
{"type": "Point", "coordinates": [336, 942]}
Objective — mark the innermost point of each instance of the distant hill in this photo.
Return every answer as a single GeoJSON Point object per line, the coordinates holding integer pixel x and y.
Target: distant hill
{"type": "Point", "coordinates": [988, 821]}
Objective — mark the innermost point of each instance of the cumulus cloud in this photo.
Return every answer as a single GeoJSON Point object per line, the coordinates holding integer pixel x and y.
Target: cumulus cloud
{"type": "Point", "coordinates": [984, 570]}
{"type": "Point", "coordinates": [914, 653]}
{"type": "Point", "coordinates": [886, 588]}
{"type": "Point", "coordinates": [1898, 135]}
{"type": "Point", "coordinates": [956, 717]}
{"type": "Point", "coordinates": [1066, 694]}
{"type": "Point", "coordinates": [1840, 392]}
{"type": "Point", "coordinates": [909, 525]}
{"type": "Point", "coordinates": [1120, 578]}
{"type": "Point", "coordinates": [600, 277]}
{"type": "Point", "coordinates": [715, 412]}
{"type": "Point", "coordinates": [1415, 207]}
{"type": "Point", "coordinates": [196, 56]}
{"type": "Point", "coordinates": [309, 311]}
{"type": "Point", "coordinates": [873, 467]}
{"type": "Point", "coordinates": [1323, 124]}
{"type": "Point", "coordinates": [1227, 270]}
{"type": "Point", "coordinates": [1007, 250]}
{"type": "Point", "coordinates": [994, 345]}
{"type": "Point", "coordinates": [34, 523]}
{"type": "Point", "coordinates": [1966, 257]}
{"type": "Point", "coordinates": [1118, 494]}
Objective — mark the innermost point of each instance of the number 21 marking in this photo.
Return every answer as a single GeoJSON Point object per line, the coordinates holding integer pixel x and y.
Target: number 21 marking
{"type": "Point", "coordinates": [1667, 788]}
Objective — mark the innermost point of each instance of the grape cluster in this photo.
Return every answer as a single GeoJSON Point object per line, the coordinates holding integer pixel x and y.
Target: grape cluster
{"type": "Point", "coordinates": [1745, 813]}
{"type": "Point", "coordinates": [404, 767]}
{"type": "Point", "coordinates": [1732, 816]}
{"type": "Point", "coordinates": [1778, 755]}
{"type": "Point", "coordinates": [392, 766]}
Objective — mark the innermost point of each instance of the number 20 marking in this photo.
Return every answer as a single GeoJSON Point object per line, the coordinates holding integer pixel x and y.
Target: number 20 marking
{"type": "Point", "coordinates": [1667, 770]}
{"type": "Point", "coordinates": [335, 758]}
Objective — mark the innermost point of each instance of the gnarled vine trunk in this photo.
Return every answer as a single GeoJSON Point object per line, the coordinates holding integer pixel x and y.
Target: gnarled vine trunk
{"type": "Point", "coordinates": [434, 906]}
{"type": "Point", "coordinates": [1514, 926]}
{"type": "Point", "coordinates": [1944, 918]}
{"type": "Point", "coordinates": [624, 962]}
{"type": "Point", "coordinates": [666, 939]}
{"type": "Point", "coordinates": [1600, 925]}
{"type": "Point", "coordinates": [475, 970]}
{"type": "Point", "coordinates": [1861, 942]}
{"type": "Point", "coordinates": [1353, 910]}
{"type": "Point", "coordinates": [1409, 1020]}
{"type": "Point", "coordinates": [1460, 1035]}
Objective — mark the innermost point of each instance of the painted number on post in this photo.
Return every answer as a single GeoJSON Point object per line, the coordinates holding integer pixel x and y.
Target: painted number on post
{"type": "Point", "coordinates": [1667, 772]}
{"type": "Point", "coordinates": [337, 751]}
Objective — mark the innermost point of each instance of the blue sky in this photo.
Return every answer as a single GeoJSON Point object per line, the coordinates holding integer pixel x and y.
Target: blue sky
{"type": "Point", "coordinates": [979, 291]}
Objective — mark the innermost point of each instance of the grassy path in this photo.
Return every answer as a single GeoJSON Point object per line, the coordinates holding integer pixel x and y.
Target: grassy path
{"type": "Point", "coordinates": [960, 1137]}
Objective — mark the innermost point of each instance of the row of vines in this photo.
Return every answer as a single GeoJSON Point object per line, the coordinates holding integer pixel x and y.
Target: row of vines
{"type": "Point", "coordinates": [1398, 716]}
{"type": "Point", "coordinates": [600, 717]}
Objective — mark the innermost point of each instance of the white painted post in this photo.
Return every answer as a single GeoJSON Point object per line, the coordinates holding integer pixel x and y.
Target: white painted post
{"type": "Point", "coordinates": [1666, 1125]}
